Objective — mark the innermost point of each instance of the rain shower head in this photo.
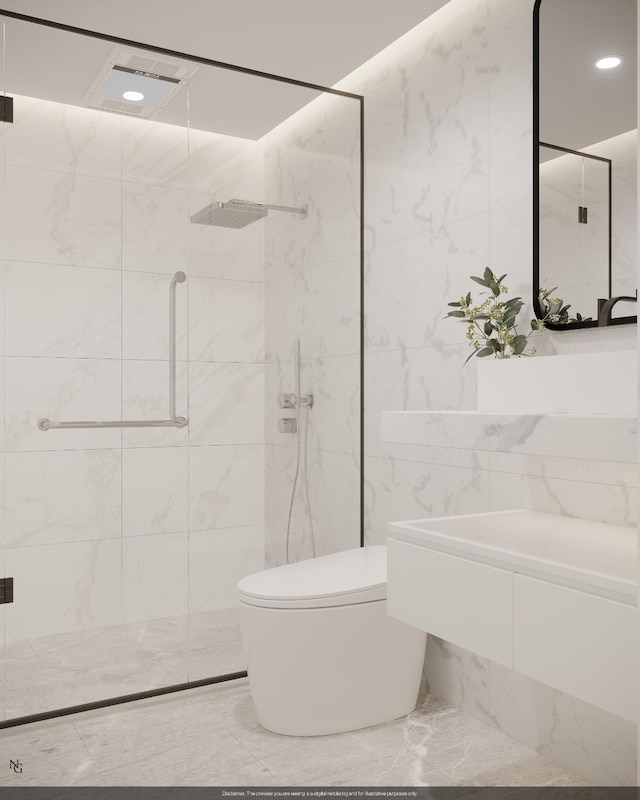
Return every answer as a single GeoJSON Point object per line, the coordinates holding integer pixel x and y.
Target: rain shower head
{"type": "Point", "coordinates": [238, 213]}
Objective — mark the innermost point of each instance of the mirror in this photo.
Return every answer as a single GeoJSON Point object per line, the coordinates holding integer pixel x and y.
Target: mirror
{"type": "Point", "coordinates": [585, 162]}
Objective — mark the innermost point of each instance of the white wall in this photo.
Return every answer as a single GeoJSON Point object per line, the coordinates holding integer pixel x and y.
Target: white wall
{"type": "Point", "coordinates": [448, 191]}
{"type": "Point", "coordinates": [313, 293]}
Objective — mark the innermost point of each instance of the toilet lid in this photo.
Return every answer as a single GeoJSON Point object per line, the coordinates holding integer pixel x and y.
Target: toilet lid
{"type": "Point", "coordinates": [345, 578]}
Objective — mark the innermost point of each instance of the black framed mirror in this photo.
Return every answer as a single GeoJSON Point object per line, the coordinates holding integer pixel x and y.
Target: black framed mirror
{"type": "Point", "coordinates": [585, 143]}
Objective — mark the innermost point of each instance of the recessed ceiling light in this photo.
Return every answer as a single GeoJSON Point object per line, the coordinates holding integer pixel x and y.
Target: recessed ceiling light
{"type": "Point", "coordinates": [134, 96]}
{"type": "Point", "coordinates": [608, 62]}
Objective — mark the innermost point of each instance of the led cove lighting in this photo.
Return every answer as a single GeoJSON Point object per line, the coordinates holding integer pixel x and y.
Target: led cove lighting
{"type": "Point", "coordinates": [135, 96]}
{"type": "Point", "coordinates": [608, 62]}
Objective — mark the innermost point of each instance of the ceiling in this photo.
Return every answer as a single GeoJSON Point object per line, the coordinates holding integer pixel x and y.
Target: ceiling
{"type": "Point", "coordinates": [318, 43]}
{"type": "Point", "coordinates": [579, 104]}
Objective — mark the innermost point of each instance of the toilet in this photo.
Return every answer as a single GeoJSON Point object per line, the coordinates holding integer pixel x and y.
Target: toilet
{"type": "Point", "coordinates": [322, 655]}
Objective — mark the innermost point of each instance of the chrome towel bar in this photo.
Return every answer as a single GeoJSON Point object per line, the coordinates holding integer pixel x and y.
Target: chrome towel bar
{"type": "Point", "coordinates": [174, 421]}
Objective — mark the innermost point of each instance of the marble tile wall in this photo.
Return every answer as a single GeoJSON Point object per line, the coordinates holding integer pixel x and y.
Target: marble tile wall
{"type": "Point", "coordinates": [448, 132]}
{"type": "Point", "coordinates": [98, 524]}
{"type": "Point", "coordinates": [313, 293]}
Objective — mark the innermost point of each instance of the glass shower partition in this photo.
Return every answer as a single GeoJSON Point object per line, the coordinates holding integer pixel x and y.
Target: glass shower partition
{"type": "Point", "coordinates": [161, 256]}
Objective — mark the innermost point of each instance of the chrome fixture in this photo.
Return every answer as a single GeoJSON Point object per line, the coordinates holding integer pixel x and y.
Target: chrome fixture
{"type": "Point", "coordinates": [174, 421]}
{"type": "Point", "coordinates": [238, 213]}
{"type": "Point", "coordinates": [605, 307]}
{"type": "Point", "coordinates": [288, 425]}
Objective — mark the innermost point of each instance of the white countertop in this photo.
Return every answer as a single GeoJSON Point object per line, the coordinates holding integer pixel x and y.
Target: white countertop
{"type": "Point", "coordinates": [596, 437]}
{"type": "Point", "coordinates": [591, 556]}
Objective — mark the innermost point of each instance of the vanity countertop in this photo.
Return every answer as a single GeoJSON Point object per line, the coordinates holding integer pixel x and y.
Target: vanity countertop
{"type": "Point", "coordinates": [592, 556]}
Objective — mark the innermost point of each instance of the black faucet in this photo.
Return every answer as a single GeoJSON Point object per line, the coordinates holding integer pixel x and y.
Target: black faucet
{"type": "Point", "coordinates": [605, 307]}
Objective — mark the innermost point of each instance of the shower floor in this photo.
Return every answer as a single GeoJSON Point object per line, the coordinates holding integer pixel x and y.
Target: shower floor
{"type": "Point", "coordinates": [69, 669]}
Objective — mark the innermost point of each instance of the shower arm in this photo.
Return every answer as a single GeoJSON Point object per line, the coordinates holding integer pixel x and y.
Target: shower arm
{"type": "Point", "coordinates": [273, 207]}
{"type": "Point", "coordinates": [174, 421]}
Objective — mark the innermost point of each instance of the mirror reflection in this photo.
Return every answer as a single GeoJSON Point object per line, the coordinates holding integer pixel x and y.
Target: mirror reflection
{"type": "Point", "coordinates": [587, 159]}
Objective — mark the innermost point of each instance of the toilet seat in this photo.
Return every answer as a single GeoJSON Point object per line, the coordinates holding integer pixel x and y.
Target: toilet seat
{"type": "Point", "coordinates": [345, 578]}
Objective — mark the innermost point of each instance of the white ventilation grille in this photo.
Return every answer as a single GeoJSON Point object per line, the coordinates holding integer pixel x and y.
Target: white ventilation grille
{"type": "Point", "coordinates": [142, 64]}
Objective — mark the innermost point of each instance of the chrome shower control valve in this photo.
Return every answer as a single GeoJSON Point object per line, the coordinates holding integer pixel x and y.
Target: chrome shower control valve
{"type": "Point", "coordinates": [287, 400]}
{"type": "Point", "coordinates": [306, 401]}
{"type": "Point", "coordinates": [288, 425]}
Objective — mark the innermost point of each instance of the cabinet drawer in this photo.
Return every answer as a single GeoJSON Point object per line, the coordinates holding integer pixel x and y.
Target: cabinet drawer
{"type": "Point", "coordinates": [461, 601]}
{"type": "Point", "coordinates": [580, 643]}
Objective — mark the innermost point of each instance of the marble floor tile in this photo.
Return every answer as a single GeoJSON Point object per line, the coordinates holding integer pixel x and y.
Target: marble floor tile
{"type": "Point", "coordinates": [211, 737]}
{"type": "Point", "coordinates": [496, 760]}
{"type": "Point", "coordinates": [390, 771]}
{"type": "Point", "coordinates": [48, 756]}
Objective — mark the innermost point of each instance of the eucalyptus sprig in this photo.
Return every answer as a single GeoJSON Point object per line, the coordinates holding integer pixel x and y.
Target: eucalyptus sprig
{"type": "Point", "coordinates": [492, 322]}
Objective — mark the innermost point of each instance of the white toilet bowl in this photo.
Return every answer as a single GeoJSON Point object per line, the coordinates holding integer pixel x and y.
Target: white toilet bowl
{"type": "Point", "coordinates": [322, 654]}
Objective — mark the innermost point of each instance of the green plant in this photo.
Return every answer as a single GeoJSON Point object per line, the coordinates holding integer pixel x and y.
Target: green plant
{"type": "Point", "coordinates": [492, 323]}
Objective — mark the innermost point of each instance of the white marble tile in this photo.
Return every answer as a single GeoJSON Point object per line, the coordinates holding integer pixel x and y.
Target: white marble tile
{"type": "Point", "coordinates": [320, 306]}
{"type": "Point", "coordinates": [226, 403]}
{"type": "Point", "coordinates": [226, 320]}
{"type": "Point", "coordinates": [155, 228]}
{"type": "Point", "coordinates": [62, 311]}
{"type": "Point", "coordinates": [62, 218]}
{"type": "Point", "coordinates": [154, 490]}
{"type": "Point", "coordinates": [334, 420]}
{"type": "Point", "coordinates": [64, 587]}
{"type": "Point", "coordinates": [587, 740]}
{"type": "Point", "coordinates": [145, 395]}
{"type": "Point", "coordinates": [154, 152]}
{"type": "Point", "coordinates": [459, 678]}
{"type": "Point", "coordinates": [60, 389]}
{"type": "Point", "coordinates": [315, 163]}
{"type": "Point", "coordinates": [217, 561]}
{"type": "Point", "coordinates": [333, 423]}
{"type": "Point", "coordinates": [154, 576]}
{"type": "Point", "coordinates": [64, 138]}
{"type": "Point", "coordinates": [231, 253]}
{"type": "Point", "coordinates": [334, 499]}
{"type": "Point", "coordinates": [572, 498]}
{"type": "Point", "coordinates": [510, 135]}
{"type": "Point", "coordinates": [410, 281]}
{"type": "Point", "coordinates": [226, 486]}
{"type": "Point", "coordinates": [62, 496]}
{"type": "Point", "coordinates": [612, 473]}
{"type": "Point", "coordinates": [397, 490]}
{"type": "Point", "coordinates": [145, 316]}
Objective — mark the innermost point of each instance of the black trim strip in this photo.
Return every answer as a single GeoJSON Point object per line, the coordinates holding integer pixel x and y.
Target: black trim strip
{"type": "Point", "coordinates": [574, 152]}
{"type": "Point", "coordinates": [115, 701]}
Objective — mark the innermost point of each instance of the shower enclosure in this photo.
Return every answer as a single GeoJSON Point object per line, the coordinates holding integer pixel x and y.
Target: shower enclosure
{"type": "Point", "coordinates": [169, 228]}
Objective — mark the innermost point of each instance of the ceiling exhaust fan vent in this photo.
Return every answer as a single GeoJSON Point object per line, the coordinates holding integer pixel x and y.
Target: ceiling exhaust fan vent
{"type": "Point", "coordinates": [156, 80]}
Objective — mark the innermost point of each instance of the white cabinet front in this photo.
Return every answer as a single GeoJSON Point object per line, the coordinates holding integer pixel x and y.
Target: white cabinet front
{"type": "Point", "coordinates": [576, 642]}
{"type": "Point", "coordinates": [462, 601]}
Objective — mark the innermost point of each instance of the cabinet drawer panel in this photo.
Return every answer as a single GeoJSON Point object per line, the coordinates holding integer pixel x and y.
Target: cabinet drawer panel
{"type": "Point", "coordinates": [466, 603]}
{"type": "Point", "coordinates": [579, 643]}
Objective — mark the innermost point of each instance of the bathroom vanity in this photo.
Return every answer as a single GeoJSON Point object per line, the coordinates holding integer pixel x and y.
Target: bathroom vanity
{"type": "Point", "coordinates": [551, 597]}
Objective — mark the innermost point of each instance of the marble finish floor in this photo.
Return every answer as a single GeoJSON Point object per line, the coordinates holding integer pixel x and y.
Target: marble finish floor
{"type": "Point", "coordinates": [211, 737]}
{"type": "Point", "coordinates": [68, 669]}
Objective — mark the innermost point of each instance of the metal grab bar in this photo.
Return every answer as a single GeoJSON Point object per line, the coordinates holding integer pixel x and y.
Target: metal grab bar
{"type": "Point", "coordinates": [174, 421]}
